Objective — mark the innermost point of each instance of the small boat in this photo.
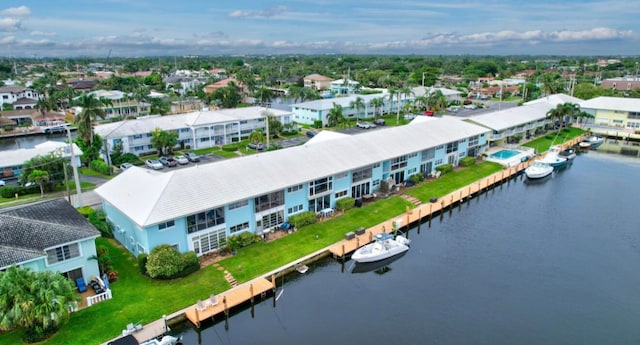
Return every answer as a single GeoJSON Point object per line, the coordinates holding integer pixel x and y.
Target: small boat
{"type": "Point", "coordinates": [593, 141]}
{"type": "Point", "coordinates": [379, 267]}
{"type": "Point", "coordinates": [302, 269]}
{"type": "Point", "coordinates": [165, 340]}
{"type": "Point", "coordinates": [384, 246]}
{"type": "Point", "coordinates": [568, 153]}
{"type": "Point", "coordinates": [538, 170]}
{"type": "Point", "coordinates": [585, 145]}
{"type": "Point", "coordinates": [553, 158]}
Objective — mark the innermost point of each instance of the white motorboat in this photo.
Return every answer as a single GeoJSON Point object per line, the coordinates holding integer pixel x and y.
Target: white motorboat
{"type": "Point", "coordinates": [384, 246]}
{"type": "Point", "coordinates": [593, 141]}
{"type": "Point", "coordinates": [538, 170]}
{"type": "Point", "coordinates": [568, 153]}
{"type": "Point", "coordinates": [165, 340]}
{"type": "Point", "coordinates": [553, 157]}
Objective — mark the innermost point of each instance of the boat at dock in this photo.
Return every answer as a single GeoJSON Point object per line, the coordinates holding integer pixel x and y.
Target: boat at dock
{"type": "Point", "coordinates": [379, 267]}
{"type": "Point", "coordinates": [538, 170]}
{"type": "Point", "coordinates": [384, 246]}
{"type": "Point", "coordinates": [131, 340]}
{"type": "Point", "coordinates": [592, 142]}
{"type": "Point", "coordinates": [568, 153]}
{"type": "Point", "coordinates": [553, 158]}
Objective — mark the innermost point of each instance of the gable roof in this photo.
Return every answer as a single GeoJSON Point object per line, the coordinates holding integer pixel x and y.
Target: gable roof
{"type": "Point", "coordinates": [612, 103]}
{"type": "Point", "coordinates": [149, 197]}
{"type": "Point", "coordinates": [26, 232]}
{"type": "Point", "coordinates": [503, 119]}
{"type": "Point", "coordinates": [10, 158]}
{"type": "Point", "coordinates": [555, 99]}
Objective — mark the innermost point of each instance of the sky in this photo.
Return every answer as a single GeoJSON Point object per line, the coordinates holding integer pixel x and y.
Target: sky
{"type": "Point", "coordinates": [136, 28]}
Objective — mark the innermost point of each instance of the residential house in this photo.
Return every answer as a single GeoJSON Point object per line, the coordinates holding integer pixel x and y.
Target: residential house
{"type": "Point", "coordinates": [19, 97]}
{"type": "Point", "coordinates": [49, 236]}
{"type": "Point", "coordinates": [620, 114]}
{"type": "Point", "coordinates": [317, 82]}
{"type": "Point", "coordinates": [197, 208]}
{"type": "Point", "coordinates": [621, 84]}
{"type": "Point", "coordinates": [449, 94]}
{"type": "Point", "coordinates": [344, 86]}
{"type": "Point", "coordinates": [196, 130]}
{"type": "Point", "coordinates": [11, 161]}
{"type": "Point", "coordinates": [122, 104]}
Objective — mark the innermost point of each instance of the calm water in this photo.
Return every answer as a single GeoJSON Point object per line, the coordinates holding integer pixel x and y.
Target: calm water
{"type": "Point", "coordinates": [27, 142]}
{"type": "Point", "coordinates": [546, 263]}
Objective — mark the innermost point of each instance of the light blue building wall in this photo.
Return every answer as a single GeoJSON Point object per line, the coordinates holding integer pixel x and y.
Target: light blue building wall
{"type": "Point", "coordinates": [84, 263]}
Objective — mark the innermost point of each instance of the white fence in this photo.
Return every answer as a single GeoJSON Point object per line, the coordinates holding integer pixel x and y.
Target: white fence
{"type": "Point", "coordinates": [91, 300]}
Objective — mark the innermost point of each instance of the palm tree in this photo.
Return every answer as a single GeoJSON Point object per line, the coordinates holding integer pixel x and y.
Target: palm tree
{"type": "Point", "coordinates": [420, 103]}
{"type": "Point", "coordinates": [404, 91]}
{"type": "Point", "coordinates": [357, 104]}
{"type": "Point", "coordinates": [377, 103]}
{"type": "Point", "coordinates": [92, 109]}
{"type": "Point", "coordinates": [335, 116]}
{"type": "Point", "coordinates": [256, 136]}
{"type": "Point", "coordinates": [265, 95]}
{"type": "Point", "coordinates": [392, 92]}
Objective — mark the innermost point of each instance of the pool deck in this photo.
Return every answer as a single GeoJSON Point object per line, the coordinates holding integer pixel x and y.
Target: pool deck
{"type": "Point", "coordinates": [524, 152]}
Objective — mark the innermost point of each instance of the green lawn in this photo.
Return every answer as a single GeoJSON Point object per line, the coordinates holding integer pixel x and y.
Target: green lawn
{"type": "Point", "coordinates": [448, 183]}
{"type": "Point", "coordinates": [543, 143]}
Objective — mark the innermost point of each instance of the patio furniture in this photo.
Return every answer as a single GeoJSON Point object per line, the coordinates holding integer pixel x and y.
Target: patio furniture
{"type": "Point", "coordinates": [82, 287]}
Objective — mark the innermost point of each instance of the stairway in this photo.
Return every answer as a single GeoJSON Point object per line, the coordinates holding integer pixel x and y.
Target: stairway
{"type": "Point", "coordinates": [411, 199]}
{"type": "Point", "coordinates": [230, 279]}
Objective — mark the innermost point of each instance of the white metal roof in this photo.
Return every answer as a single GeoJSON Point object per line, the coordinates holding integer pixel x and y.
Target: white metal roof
{"type": "Point", "coordinates": [555, 99]}
{"type": "Point", "coordinates": [18, 157]}
{"type": "Point", "coordinates": [149, 197]}
{"type": "Point", "coordinates": [172, 122]}
{"type": "Point", "coordinates": [422, 91]}
{"type": "Point", "coordinates": [327, 103]}
{"type": "Point", "coordinates": [612, 103]}
{"type": "Point", "coordinates": [507, 118]}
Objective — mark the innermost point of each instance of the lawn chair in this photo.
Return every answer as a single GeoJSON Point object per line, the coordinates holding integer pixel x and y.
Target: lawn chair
{"type": "Point", "coordinates": [82, 287]}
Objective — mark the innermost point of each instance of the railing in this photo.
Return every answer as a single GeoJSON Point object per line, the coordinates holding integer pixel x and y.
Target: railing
{"type": "Point", "coordinates": [91, 300]}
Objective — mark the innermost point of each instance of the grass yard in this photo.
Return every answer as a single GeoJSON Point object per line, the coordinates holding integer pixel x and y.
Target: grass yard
{"type": "Point", "coordinates": [543, 143]}
{"type": "Point", "coordinates": [449, 182]}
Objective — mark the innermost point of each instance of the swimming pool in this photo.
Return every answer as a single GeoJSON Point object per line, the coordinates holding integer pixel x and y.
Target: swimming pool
{"type": "Point", "coordinates": [504, 154]}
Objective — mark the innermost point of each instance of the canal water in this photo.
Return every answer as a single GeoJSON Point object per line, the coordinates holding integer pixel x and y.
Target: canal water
{"type": "Point", "coordinates": [30, 141]}
{"type": "Point", "coordinates": [553, 262]}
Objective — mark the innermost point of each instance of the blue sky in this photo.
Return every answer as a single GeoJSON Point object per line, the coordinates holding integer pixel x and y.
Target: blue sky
{"type": "Point", "coordinates": [198, 27]}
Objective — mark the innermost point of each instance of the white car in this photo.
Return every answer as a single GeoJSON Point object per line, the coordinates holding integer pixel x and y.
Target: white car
{"type": "Point", "coordinates": [181, 159]}
{"type": "Point", "coordinates": [125, 166]}
{"type": "Point", "coordinates": [2, 183]}
{"type": "Point", "coordinates": [154, 164]}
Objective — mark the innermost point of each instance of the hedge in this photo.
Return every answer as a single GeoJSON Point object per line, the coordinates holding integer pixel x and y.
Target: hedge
{"type": "Point", "coordinates": [445, 168]}
{"type": "Point", "coordinates": [467, 161]}
{"type": "Point", "coordinates": [345, 204]}
{"type": "Point", "coordinates": [230, 148]}
{"type": "Point", "coordinates": [301, 219]}
{"type": "Point", "coordinates": [100, 166]}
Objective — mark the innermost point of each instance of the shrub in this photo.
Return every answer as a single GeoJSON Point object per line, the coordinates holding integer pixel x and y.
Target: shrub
{"type": "Point", "coordinates": [99, 220]}
{"type": "Point", "coordinates": [242, 240]}
{"type": "Point", "coordinates": [416, 178]}
{"type": "Point", "coordinates": [345, 204]}
{"type": "Point", "coordinates": [230, 148]}
{"type": "Point", "coordinates": [85, 211]}
{"type": "Point", "coordinates": [100, 166]}
{"type": "Point", "coordinates": [142, 263]}
{"type": "Point", "coordinates": [317, 124]}
{"type": "Point", "coordinates": [165, 262]}
{"type": "Point", "coordinates": [11, 191]}
{"type": "Point", "coordinates": [467, 161]}
{"type": "Point", "coordinates": [301, 219]}
{"type": "Point", "coordinates": [445, 168]}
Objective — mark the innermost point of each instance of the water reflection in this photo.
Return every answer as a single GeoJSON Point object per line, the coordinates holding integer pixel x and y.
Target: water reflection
{"type": "Point", "coordinates": [379, 267]}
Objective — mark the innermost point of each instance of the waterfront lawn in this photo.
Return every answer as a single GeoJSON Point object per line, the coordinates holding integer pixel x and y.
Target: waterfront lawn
{"type": "Point", "coordinates": [452, 181]}
{"type": "Point", "coordinates": [543, 143]}
{"type": "Point", "coordinates": [260, 258]}
{"type": "Point", "coordinates": [136, 299]}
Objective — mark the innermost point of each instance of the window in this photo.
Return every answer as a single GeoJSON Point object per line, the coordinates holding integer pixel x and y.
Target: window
{"type": "Point", "coordinates": [239, 227]}
{"type": "Point", "coordinates": [634, 115]}
{"type": "Point", "coordinates": [238, 204]}
{"type": "Point", "coordinates": [63, 253]}
{"type": "Point", "coordinates": [428, 154]}
{"type": "Point", "coordinates": [452, 147]}
{"type": "Point", "coordinates": [320, 186]}
{"type": "Point", "coordinates": [272, 220]}
{"type": "Point", "coordinates": [341, 175]}
{"type": "Point", "coordinates": [341, 194]}
{"type": "Point", "coordinates": [166, 225]}
{"type": "Point", "coordinates": [294, 188]}
{"type": "Point", "coordinates": [438, 162]}
{"type": "Point", "coordinates": [208, 242]}
{"type": "Point", "coordinates": [474, 141]}
{"type": "Point", "coordinates": [375, 183]}
{"type": "Point", "coordinates": [376, 165]}
{"type": "Point", "coordinates": [294, 209]}
{"type": "Point", "coordinates": [361, 174]}
{"type": "Point", "coordinates": [412, 155]}
{"type": "Point", "coordinates": [205, 220]}
{"type": "Point", "coordinates": [398, 162]}
{"type": "Point", "coordinates": [267, 201]}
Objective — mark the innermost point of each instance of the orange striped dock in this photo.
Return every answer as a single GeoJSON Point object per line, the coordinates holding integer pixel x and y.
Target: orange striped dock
{"type": "Point", "coordinates": [227, 300]}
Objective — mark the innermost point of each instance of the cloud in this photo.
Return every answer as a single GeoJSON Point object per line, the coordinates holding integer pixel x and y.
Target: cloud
{"type": "Point", "coordinates": [266, 13]}
{"type": "Point", "coordinates": [40, 33]}
{"type": "Point", "coordinates": [10, 24]}
{"type": "Point", "coordinates": [22, 11]}
{"type": "Point", "coordinates": [7, 40]}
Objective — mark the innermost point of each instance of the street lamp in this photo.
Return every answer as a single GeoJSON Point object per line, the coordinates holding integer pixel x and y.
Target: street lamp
{"type": "Point", "coordinates": [423, 78]}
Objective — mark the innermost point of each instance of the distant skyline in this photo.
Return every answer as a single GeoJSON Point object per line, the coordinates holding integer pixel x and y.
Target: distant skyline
{"type": "Point", "coordinates": [135, 28]}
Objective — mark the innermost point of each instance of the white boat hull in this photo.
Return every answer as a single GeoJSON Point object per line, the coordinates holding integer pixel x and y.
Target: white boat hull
{"type": "Point", "coordinates": [380, 250]}
{"type": "Point", "coordinates": [538, 170]}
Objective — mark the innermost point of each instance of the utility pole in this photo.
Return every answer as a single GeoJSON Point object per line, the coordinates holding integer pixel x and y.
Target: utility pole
{"type": "Point", "coordinates": [76, 177]}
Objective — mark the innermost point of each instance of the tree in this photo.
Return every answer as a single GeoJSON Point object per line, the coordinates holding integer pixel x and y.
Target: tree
{"type": "Point", "coordinates": [92, 109]}
{"type": "Point", "coordinates": [335, 116]}
{"type": "Point", "coordinates": [159, 106]}
{"type": "Point", "coordinates": [51, 163]}
{"type": "Point", "coordinates": [377, 103]}
{"type": "Point", "coordinates": [406, 92]}
{"type": "Point", "coordinates": [256, 136]}
{"type": "Point", "coordinates": [562, 112]}
{"type": "Point", "coordinates": [264, 95]}
{"type": "Point", "coordinates": [40, 177]}
{"type": "Point", "coordinates": [227, 96]}
{"type": "Point", "coordinates": [163, 141]}
{"type": "Point", "coordinates": [37, 301]}
{"type": "Point", "coordinates": [357, 104]}
{"type": "Point", "coordinates": [90, 150]}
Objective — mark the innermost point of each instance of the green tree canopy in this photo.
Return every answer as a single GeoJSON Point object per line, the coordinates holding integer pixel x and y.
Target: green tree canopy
{"type": "Point", "coordinates": [163, 141]}
{"type": "Point", "coordinates": [52, 163]}
{"type": "Point", "coordinates": [39, 177]}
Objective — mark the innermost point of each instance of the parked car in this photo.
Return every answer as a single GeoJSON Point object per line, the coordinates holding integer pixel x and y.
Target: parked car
{"type": "Point", "coordinates": [125, 166]}
{"type": "Point", "coordinates": [2, 183]}
{"type": "Point", "coordinates": [256, 146]}
{"type": "Point", "coordinates": [311, 134]}
{"type": "Point", "coordinates": [153, 164]}
{"type": "Point", "coordinates": [380, 122]}
{"type": "Point", "coordinates": [363, 125]}
{"type": "Point", "coordinates": [181, 159]}
{"type": "Point", "coordinates": [192, 157]}
{"type": "Point", "coordinates": [168, 161]}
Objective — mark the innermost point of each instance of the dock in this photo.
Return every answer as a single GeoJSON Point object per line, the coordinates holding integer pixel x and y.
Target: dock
{"type": "Point", "coordinates": [221, 303]}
